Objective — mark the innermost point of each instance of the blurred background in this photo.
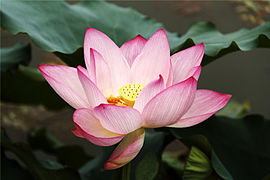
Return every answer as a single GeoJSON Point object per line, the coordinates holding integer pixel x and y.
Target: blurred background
{"type": "Point", "coordinates": [245, 75]}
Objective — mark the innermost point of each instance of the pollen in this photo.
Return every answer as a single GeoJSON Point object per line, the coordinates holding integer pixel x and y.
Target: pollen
{"type": "Point", "coordinates": [129, 93]}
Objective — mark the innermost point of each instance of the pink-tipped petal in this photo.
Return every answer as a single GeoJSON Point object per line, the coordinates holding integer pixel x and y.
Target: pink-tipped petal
{"type": "Point", "coordinates": [205, 104]}
{"type": "Point", "coordinates": [95, 97]}
{"type": "Point", "coordinates": [77, 133]}
{"type": "Point", "coordinates": [88, 126]}
{"type": "Point", "coordinates": [127, 150]}
{"type": "Point", "coordinates": [170, 104]}
{"type": "Point", "coordinates": [153, 60]}
{"type": "Point", "coordinates": [118, 119]}
{"type": "Point", "coordinates": [64, 80]}
{"type": "Point", "coordinates": [148, 92]}
{"type": "Point", "coordinates": [195, 72]}
{"type": "Point", "coordinates": [111, 53]}
{"type": "Point", "coordinates": [132, 48]}
{"type": "Point", "coordinates": [103, 74]}
{"type": "Point", "coordinates": [184, 61]}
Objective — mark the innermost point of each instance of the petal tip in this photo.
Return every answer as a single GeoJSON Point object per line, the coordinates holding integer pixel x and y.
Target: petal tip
{"type": "Point", "coordinates": [140, 37]}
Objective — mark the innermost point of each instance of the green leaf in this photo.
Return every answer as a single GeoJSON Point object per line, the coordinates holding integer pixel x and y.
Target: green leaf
{"type": "Point", "coordinates": [26, 85]}
{"type": "Point", "coordinates": [147, 168]}
{"type": "Point", "coordinates": [172, 159]}
{"type": "Point", "coordinates": [49, 25]}
{"type": "Point", "coordinates": [70, 155]}
{"type": "Point", "coordinates": [21, 84]}
{"type": "Point", "coordinates": [12, 57]}
{"type": "Point", "coordinates": [51, 170]}
{"type": "Point", "coordinates": [242, 145]}
{"type": "Point", "coordinates": [198, 165]}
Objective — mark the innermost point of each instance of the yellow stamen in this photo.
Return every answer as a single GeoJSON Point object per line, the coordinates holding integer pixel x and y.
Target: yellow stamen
{"type": "Point", "coordinates": [128, 93]}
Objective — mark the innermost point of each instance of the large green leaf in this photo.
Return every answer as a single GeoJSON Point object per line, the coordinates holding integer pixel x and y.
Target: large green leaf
{"type": "Point", "coordinates": [26, 85]}
{"type": "Point", "coordinates": [59, 27]}
{"type": "Point", "coordinates": [242, 145]}
{"type": "Point", "coordinates": [21, 84]}
{"type": "Point", "coordinates": [12, 57]}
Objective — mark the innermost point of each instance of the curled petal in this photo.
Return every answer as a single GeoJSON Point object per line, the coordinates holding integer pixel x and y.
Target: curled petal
{"type": "Point", "coordinates": [205, 104]}
{"type": "Point", "coordinates": [118, 119]}
{"type": "Point", "coordinates": [148, 92]}
{"type": "Point", "coordinates": [64, 80]}
{"type": "Point", "coordinates": [153, 60]}
{"type": "Point", "coordinates": [89, 127]}
{"type": "Point", "coordinates": [128, 149]}
{"type": "Point", "coordinates": [95, 97]}
{"type": "Point", "coordinates": [170, 104]}
{"type": "Point", "coordinates": [184, 61]}
{"type": "Point", "coordinates": [132, 48]}
{"type": "Point", "coordinates": [111, 53]}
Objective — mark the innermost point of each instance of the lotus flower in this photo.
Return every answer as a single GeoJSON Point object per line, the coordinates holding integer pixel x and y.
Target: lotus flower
{"type": "Point", "coordinates": [124, 90]}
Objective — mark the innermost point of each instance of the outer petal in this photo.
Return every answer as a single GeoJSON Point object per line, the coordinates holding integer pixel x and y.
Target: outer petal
{"type": "Point", "coordinates": [111, 54]}
{"type": "Point", "coordinates": [88, 126]}
{"type": "Point", "coordinates": [153, 60]}
{"type": "Point", "coordinates": [184, 61]}
{"type": "Point", "coordinates": [132, 48]}
{"type": "Point", "coordinates": [128, 149]}
{"type": "Point", "coordinates": [148, 92]}
{"type": "Point", "coordinates": [205, 104]}
{"type": "Point", "coordinates": [102, 73]}
{"type": "Point", "coordinates": [95, 97]}
{"type": "Point", "coordinates": [64, 80]}
{"type": "Point", "coordinates": [170, 104]}
{"type": "Point", "coordinates": [118, 119]}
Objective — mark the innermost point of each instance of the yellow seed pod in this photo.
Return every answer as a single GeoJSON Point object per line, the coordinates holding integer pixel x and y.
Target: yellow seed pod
{"type": "Point", "coordinates": [128, 93]}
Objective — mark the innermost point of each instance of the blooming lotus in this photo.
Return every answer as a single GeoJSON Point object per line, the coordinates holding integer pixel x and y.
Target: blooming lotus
{"type": "Point", "coordinates": [124, 90]}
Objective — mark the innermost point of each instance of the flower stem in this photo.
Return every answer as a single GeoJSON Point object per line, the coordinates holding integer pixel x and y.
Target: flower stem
{"type": "Point", "coordinates": [126, 172]}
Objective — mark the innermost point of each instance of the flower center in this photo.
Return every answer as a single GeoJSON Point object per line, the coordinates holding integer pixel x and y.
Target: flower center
{"type": "Point", "coordinates": [127, 95]}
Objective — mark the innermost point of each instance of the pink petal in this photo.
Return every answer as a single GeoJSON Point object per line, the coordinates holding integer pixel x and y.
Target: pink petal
{"type": "Point", "coordinates": [103, 74]}
{"type": "Point", "coordinates": [148, 92]}
{"type": "Point", "coordinates": [118, 119]}
{"type": "Point", "coordinates": [170, 104]}
{"type": "Point", "coordinates": [91, 66]}
{"type": "Point", "coordinates": [111, 53]}
{"type": "Point", "coordinates": [205, 104]}
{"type": "Point", "coordinates": [184, 61]}
{"type": "Point", "coordinates": [88, 126]}
{"type": "Point", "coordinates": [132, 48]}
{"type": "Point", "coordinates": [127, 150]}
{"type": "Point", "coordinates": [64, 80]}
{"type": "Point", "coordinates": [77, 133]}
{"type": "Point", "coordinates": [153, 60]}
{"type": "Point", "coordinates": [170, 77]}
{"type": "Point", "coordinates": [95, 97]}
{"type": "Point", "coordinates": [195, 72]}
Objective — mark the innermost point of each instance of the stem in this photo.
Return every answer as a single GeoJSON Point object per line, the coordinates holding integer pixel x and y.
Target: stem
{"type": "Point", "coordinates": [126, 172]}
